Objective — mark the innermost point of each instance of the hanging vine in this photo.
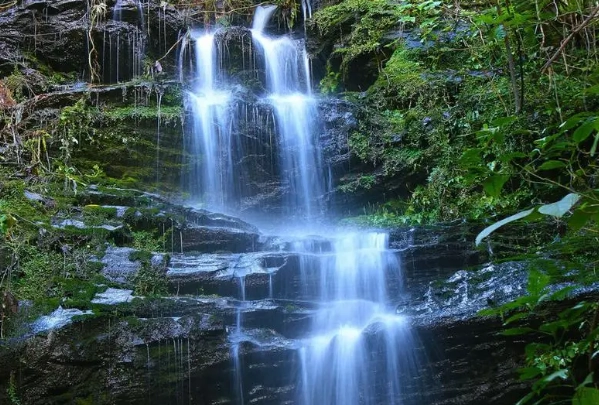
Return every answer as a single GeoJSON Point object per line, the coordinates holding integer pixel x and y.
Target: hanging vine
{"type": "Point", "coordinates": [96, 12]}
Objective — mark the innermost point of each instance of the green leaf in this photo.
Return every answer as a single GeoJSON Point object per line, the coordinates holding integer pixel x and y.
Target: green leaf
{"type": "Point", "coordinates": [499, 122]}
{"type": "Point", "coordinates": [592, 90]}
{"type": "Point", "coordinates": [552, 164]}
{"type": "Point", "coordinates": [508, 157]}
{"type": "Point", "coordinates": [555, 326]}
{"type": "Point", "coordinates": [516, 331]}
{"type": "Point", "coordinates": [594, 147]}
{"type": "Point", "coordinates": [537, 281]}
{"type": "Point", "coordinates": [527, 398]}
{"type": "Point", "coordinates": [516, 317]}
{"type": "Point", "coordinates": [471, 157]}
{"type": "Point", "coordinates": [494, 184]}
{"type": "Point", "coordinates": [559, 208]}
{"type": "Point", "coordinates": [490, 229]}
{"type": "Point", "coordinates": [529, 372]}
{"type": "Point", "coordinates": [586, 396]}
{"type": "Point", "coordinates": [584, 131]}
{"type": "Point", "coordinates": [407, 18]}
{"type": "Point", "coordinates": [572, 122]}
{"type": "Point", "coordinates": [577, 220]}
{"type": "Point", "coordinates": [562, 293]}
{"type": "Point", "coordinates": [588, 380]}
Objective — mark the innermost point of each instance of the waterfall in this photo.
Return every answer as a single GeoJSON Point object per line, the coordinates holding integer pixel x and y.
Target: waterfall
{"type": "Point", "coordinates": [356, 349]}
{"type": "Point", "coordinates": [289, 92]}
{"type": "Point", "coordinates": [336, 361]}
{"type": "Point", "coordinates": [285, 108]}
{"type": "Point", "coordinates": [211, 140]}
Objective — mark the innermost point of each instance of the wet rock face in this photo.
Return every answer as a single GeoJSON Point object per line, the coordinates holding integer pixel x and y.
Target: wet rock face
{"type": "Point", "coordinates": [183, 349]}
{"type": "Point", "coordinates": [126, 361]}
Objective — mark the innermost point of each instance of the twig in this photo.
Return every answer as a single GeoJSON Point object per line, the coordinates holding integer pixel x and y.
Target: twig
{"type": "Point", "coordinates": [565, 41]}
{"type": "Point", "coordinates": [171, 48]}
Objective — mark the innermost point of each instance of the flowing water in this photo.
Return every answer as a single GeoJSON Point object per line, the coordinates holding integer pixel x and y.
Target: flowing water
{"type": "Point", "coordinates": [356, 348]}
{"type": "Point", "coordinates": [285, 107]}
{"type": "Point", "coordinates": [124, 48]}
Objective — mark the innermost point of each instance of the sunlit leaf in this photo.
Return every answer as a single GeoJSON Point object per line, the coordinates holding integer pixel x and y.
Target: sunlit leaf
{"type": "Point", "coordinates": [559, 208]}
{"type": "Point", "coordinates": [490, 229]}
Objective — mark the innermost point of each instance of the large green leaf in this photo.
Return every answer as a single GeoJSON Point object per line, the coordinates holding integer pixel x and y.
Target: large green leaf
{"type": "Point", "coordinates": [494, 184]}
{"type": "Point", "coordinates": [471, 157]}
{"type": "Point", "coordinates": [552, 164]}
{"type": "Point", "coordinates": [586, 396]}
{"type": "Point", "coordinates": [585, 130]}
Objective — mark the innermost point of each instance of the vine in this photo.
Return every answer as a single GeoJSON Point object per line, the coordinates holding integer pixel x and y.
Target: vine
{"type": "Point", "coordinates": [96, 12]}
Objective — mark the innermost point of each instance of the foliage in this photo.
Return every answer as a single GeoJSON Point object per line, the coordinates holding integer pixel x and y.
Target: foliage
{"type": "Point", "coordinates": [12, 390]}
{"type": "Point", "coordinates": [150, 280]}
{"type": "Point", "coordinates": [147, 241]}
{"type": "Point", "coordinates": [167, 113]}
{"type": "Point", "coordinates": [440, 115]}
{"type": "Point", "coordinates": [560, 359]}
{"type": "Point", "coordinates": [360, 26]}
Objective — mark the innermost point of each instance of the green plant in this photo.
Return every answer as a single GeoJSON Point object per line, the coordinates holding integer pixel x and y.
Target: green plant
{"type": "Point", "coordinates": [560, 362]}
{"type": "Point", "coordinates": [150, 280]}
{"type": "Point", "coordinates": [12, 390]}
{"type": "Point", "coordinates": [147, 241]}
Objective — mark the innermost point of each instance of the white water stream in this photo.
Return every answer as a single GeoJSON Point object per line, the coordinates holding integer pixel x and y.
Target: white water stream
{"type": "Point", "coordinates": [356, 347]}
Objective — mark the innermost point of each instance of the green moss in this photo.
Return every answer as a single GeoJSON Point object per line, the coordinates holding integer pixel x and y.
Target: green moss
{"type": "Point", "coordinates": [141, 255]}
{"type": "Point", "coordinates": [98, 215]}
{"type": "Point", "coordinates": [359, 25]}
{"type": "Point", "coordinates": [167, 113]}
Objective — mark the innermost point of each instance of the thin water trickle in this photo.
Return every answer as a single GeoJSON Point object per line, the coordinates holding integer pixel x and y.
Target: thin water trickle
{"type": "Point", "coordinates": [126, 47]}
{"type": "Point", "coordinates": [159, 93]}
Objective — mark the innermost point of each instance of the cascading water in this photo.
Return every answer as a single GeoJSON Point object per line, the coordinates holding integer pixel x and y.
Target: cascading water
{"type": "Point", "coordinates": [356, 348]}
{"type": "Point", "coordinates": [350, 283]}
{"type": "Point", "coordinates": [123, 60]}
{"type": "Point", "coordinates": [212, 131]}
{"type": "Point", "coordinates": [286, 108]}
{"type": "Point", "coordinates": [289, 92]}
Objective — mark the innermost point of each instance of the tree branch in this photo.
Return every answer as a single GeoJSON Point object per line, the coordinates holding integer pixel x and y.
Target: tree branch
{"type": "Point", "coordinates": [565, 41]}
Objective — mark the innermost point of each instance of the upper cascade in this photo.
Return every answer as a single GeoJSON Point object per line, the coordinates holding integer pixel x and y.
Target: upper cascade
{"type": "Point", "coordinates": [262, 16]}
{"type": "Point", "coordinates": [233, 168]}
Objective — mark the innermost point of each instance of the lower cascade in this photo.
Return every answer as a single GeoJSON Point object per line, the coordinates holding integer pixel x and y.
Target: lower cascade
{"type": "Point", "coordinates": [356, 349]}
{"type": "Point", "coordinates": [352, 330]}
